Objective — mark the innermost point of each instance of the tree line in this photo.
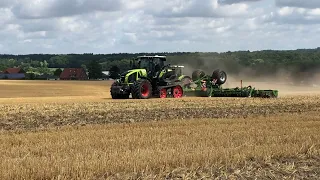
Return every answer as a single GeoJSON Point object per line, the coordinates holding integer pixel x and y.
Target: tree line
{"type": "Point", "coordinates": [258, 63]}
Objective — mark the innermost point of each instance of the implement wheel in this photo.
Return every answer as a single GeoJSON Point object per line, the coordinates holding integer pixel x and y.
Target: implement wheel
{"type": "Point", "coordinates": [177, 92]}
{"type": "Point", "coordinates": [198, 74]}
{"type": "Point", "coordinates": [141, 89]}
{"type": "Point", "coordinates": [220, 76]}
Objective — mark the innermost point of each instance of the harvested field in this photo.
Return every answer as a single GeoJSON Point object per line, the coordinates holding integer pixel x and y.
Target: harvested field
{"type": "Point", "coordinates": [26, 91]}
{"type": "Point", "coordinates": [30, 116]}
{"type": "Point", "coordinates": [274, 147]}
{"type": "Point", "coordinates": [73, 130]}
{"type": "Point", "coordinates": [17, 92]}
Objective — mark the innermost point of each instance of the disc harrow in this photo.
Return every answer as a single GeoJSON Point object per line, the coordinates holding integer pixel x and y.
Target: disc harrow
{"type": "Point", "coordinates": [203, 85]}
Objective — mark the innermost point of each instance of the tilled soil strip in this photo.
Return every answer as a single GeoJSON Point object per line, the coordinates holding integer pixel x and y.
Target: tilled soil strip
{"type": "Point", "coordinates": [31, 118]}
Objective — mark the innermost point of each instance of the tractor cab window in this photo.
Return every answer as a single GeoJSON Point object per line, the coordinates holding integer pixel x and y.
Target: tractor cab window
{"type": "Point", "coordinates": [158, 64]}
{"type": "Point", "coordinates": [145, 63]}
{"type": "Point", "coordinates": [150, 63]}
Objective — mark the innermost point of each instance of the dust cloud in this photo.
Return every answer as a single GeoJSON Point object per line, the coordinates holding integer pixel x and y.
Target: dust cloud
{"type": "Point", "coordinates": [285, 80]}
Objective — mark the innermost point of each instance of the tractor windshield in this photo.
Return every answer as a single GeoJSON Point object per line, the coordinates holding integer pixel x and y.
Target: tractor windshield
{"type": "Point", "coordinates": [151, 63]}
{"type": "Point", "coordinates": [145, 63]}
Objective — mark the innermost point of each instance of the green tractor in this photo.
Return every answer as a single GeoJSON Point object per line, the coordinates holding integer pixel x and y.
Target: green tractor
{"type": "Point", "coordinates": [148, 78]}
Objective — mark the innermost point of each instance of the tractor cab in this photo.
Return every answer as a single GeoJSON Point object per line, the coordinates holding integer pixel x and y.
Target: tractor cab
{"type": "Point", "coordinates": [152, 64]}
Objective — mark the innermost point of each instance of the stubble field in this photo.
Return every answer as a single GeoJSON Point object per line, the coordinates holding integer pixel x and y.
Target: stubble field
{"type": "Point", "coordinates": [73, 130]}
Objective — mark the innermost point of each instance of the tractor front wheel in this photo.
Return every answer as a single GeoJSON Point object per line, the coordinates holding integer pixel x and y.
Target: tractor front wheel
{"type": "Point", "coordinates": [142, 89]}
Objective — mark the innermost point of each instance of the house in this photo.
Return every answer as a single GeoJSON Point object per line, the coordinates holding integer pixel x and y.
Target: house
{"type": "Point", "coordinates": [13, 73]}
{"type": "Point", "coordinates": [73, 74]}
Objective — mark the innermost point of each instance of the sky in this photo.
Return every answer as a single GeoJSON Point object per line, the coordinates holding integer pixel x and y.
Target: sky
{"type": "Point", "coordinates": [130, 26]}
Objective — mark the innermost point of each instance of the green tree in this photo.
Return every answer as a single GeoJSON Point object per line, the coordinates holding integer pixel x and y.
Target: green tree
{"type": "Point", "coordinates": [59, 61]}
{"type": "Point", "coordinates": [35, 64]}
{"type": "Point", "coordinates": [25, 66]}
{"type": "Point", "coordinates": [30, 76]}
{"type": "Point", "coordinates": [43, 69]}
{"type": "Point", "coordinates": [94, 69]}
{"type": "Point", "coordinates": [114, 72]}
{"type": "Point", "coordinates": [57, 72]}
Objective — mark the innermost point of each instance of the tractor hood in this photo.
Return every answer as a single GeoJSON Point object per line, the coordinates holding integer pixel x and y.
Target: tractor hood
{"type": "Point", "coordinates": [131, 75]}
{"type": "Point", "coordinates": [132, 71]}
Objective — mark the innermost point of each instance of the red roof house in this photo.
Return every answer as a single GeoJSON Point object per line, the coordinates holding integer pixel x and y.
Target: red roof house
{"type": "Point", "coordinates": [73, 74]}
{"type": "Point", "coordinates": [13, 73]}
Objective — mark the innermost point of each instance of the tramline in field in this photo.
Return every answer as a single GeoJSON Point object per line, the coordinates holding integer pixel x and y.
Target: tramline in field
{"type": "Point", "coordinates": [150, 77]}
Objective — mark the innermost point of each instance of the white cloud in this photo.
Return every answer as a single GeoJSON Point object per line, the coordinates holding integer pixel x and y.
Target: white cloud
{"type": "Point", "coordinates": [6, 16]}
{"type": "Point", "coordinates": [314, 12]}
{"type": "Point", "coordinates": [193, 8]}
{"type": "Point", "coordinates": [32, 9]}
{"type": "Point", "coordinates": [299, 3]}
{"type": "Point", "coordinates": [294, 15]}
{"type": "Point", "coordinates": [106, 26]}
{"type": "Point", "coordinates": [236, 1]}
{"type": "Point", "coordinates": [134, 4]}
{"type": "Point", "coordinates": [285, 11]}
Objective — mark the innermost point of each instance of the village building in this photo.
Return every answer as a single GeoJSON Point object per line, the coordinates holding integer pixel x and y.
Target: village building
{"type": "Point", "coordinates": [13, 73]}
{"type": "Point", "coordinates": [73, 74]}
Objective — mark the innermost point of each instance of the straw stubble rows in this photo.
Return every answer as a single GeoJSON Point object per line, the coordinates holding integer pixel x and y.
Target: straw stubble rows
{"type": "Point", "coordinates": [90, 137]}
{"type": "Point", "coordinates": [285, 146]}
{"type": "Point", "coordinates": [30, 116]}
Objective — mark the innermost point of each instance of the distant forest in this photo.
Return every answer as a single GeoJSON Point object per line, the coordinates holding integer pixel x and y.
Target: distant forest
{"type": "Point", "coordinates": [256, 63]}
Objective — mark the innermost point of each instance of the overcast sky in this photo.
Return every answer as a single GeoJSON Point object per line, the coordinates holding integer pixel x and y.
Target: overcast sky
{"type": "Point", "coordinates": [112, 26]}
